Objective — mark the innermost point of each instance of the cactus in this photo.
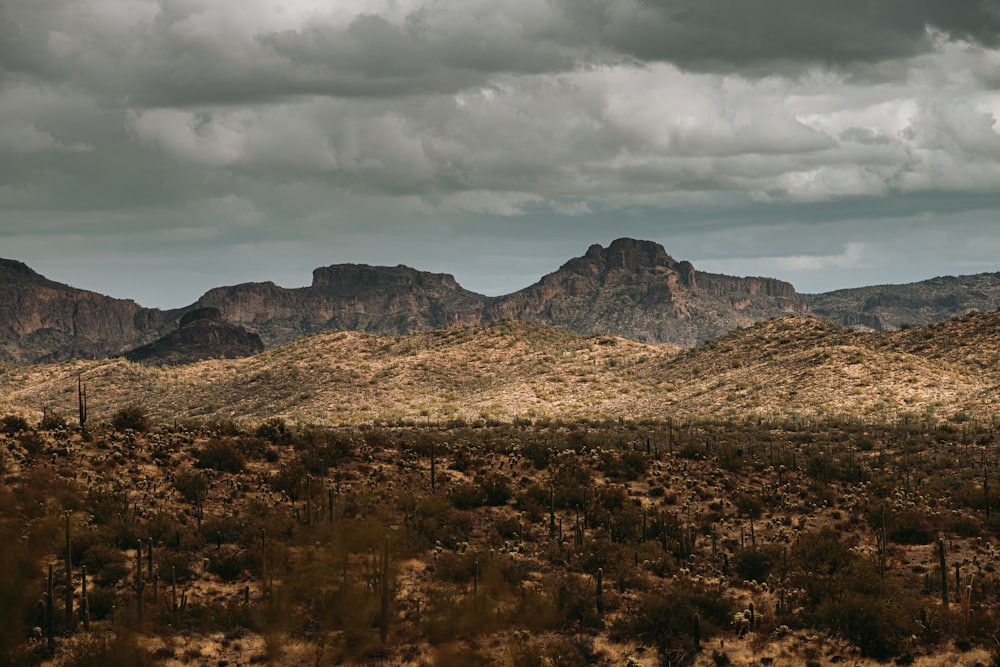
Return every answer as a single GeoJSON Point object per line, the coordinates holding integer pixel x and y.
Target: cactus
{"type": "Point", "coordinates": [263, 564]}
{"type": "Point", "coordinates": [69, 576]}
{"type": "Point", "coordinates": [140, 584]}
{"type": "Point", "coordinates": [84, 599]}
{"type": "Point", "coordinates": [600, 591]}
{"type": "Point", "coordinates": [944, 573]}
{"type": "Point", "coordinates": [433, 468]}
{"type": "Point", "coordinates": [384, 602]}
{"type": "Point", "coordinates": [696, 631]}
{"type": "Point", "coordinates": [50, 630]}
{"type": "Point", "coordinates": [81, 394]}
{"type": "Point", "coordinates": [880, 544]}
{"type": "Point", "coordinates": [552, 511]}
{"type": "Point", "coordinates": [475, 582]}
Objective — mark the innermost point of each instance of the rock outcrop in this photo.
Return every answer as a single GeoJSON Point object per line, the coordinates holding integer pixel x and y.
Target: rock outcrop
{"type": "Point", "coordinates": [201, 334]}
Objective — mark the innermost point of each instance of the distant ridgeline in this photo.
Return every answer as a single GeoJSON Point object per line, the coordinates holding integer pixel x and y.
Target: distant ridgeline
{"type": "Point", "coordinates": [632, 289]}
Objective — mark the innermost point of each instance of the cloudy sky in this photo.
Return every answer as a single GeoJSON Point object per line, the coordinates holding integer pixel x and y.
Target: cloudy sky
{"type": "Point", "coordinates": [152, 149]}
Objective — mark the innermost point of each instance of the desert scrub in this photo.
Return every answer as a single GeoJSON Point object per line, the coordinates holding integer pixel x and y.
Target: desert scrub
{"type": "Point", "coordinates": [676, 618]}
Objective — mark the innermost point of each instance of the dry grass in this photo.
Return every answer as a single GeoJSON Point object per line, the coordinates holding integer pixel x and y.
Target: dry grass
{"type": "Point", "coordinates": [789, 366]}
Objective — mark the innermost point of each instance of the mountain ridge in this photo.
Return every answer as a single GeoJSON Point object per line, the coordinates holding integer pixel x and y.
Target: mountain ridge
{"type": "Point", "coordinates": [632, 288]}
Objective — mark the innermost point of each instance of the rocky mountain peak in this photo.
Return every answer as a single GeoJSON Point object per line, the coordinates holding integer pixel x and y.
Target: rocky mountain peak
{"type": "Point", "coordinates": [623, 253]}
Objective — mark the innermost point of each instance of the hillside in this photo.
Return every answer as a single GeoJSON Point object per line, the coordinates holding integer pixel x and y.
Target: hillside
{"type": "Point", "coordinates": [889, 307]}
{"type": "Point", "coordinates": [792, 365]}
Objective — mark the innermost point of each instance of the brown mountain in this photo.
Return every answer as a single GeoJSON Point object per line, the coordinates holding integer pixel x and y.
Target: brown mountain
{"type": "Point", "coordinates": [890, 307]}
{"type": "Point", "coordinates": [201, 334]}
{"type": "Point", "coordinates": [632, 289]}
{"type": "Point", "coordinates": [44, 320]}
{"type": "Point", "coordinates": [636, 290]}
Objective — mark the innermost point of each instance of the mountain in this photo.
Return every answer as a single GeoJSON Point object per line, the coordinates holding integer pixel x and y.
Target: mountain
{"type": "Point", "coordinates": [201, 334]}
{"type": "Point", "coordinates": [632, 289]}
{"type": "Point", "coordinates": [42, 320]}
{"type": "Point", "coordinates": [353, 297]}
{"type": "Point", "coordinates": [890, 307]}
{"type": "Point", "coordinates": [636, 290]}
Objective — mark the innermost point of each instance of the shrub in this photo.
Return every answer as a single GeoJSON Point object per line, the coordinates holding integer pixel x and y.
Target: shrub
{"type": "Point", "coordinates": [495, 488]}
{"type": "Point", "coordinates": [131, 417]}
{"type": "Point", "coordinates": [52, 421]}
{"type": "Point", "coordinates": [192, 485]}
{"type": "Point", "coordinates": [228, 563]}
{"type": "Point", "coordinates": [13, 424]}
{"type": "Point", "coordinates": [274, 430]}
{"type": "Point", "coordinates": [667, 619]}
{"type": "Point", "coordinates": [220, 455]}
{"type": "Point", "coordinates": [466, 496]}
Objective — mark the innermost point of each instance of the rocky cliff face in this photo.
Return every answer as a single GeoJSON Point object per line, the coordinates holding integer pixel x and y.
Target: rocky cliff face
{"type": "Point", "coordinates": [632, 289]}
{"type": "Point", "coordinates": [636, 290]}
{"type": "Point", "coordinates": [358, 297]}
{"type": "Point", "coordinates": [202, 334]}
{"type": "Point", "coordinates": [41, 320]}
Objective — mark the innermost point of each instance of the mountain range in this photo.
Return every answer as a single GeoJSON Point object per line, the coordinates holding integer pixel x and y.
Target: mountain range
{"type": "Point", "coordinates": [632, 289]}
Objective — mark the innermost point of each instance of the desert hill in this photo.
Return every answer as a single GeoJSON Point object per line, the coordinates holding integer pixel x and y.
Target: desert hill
{"type": "Point", "coordinates": [511, 370]}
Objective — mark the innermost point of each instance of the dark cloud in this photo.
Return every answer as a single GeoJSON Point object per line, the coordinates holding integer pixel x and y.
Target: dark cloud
{"type": "Point", "coordinates": [754, 35]}
{"type": "Point", "coordinates": [488, 139]}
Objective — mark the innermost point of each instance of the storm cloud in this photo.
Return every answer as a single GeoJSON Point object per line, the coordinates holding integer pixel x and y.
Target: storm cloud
{"type": "Point", "coordinates": [155, 149]}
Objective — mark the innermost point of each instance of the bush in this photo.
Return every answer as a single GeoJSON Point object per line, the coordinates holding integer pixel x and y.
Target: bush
{"type": "Point", "coordinates": [52, 421]}
{"type": "Point", "coordinates": [667, 619]}
{"type": "Point", "coordinates": [228, 563]}
{"type": "Point", "coordinates": [220, 455]}
{"type": "Point", "coordinates": [131, 417]}
{"type": "Point", "coordinates": [13, 424]}
{"type": "Point", "coordinates": [192, 485]}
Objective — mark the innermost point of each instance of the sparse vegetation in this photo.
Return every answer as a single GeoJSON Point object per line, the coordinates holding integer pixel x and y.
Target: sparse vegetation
{"type": "Point", "coordinates": [542, 539]}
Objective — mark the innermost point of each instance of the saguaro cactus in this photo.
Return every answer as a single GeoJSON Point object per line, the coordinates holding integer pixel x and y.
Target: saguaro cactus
{"type": "Point", "coordinates": [69, 576]}
{"type": "Point", "coordinates": [81, 395]}
{"type": "Point", "coordinates": [944, 573]}
{"type": "Point", "coordinates": [140, 584]}
{"type": "Point", "coordinates": [384, 602]}
{"type": "Point", "coordinates": [600, 591]}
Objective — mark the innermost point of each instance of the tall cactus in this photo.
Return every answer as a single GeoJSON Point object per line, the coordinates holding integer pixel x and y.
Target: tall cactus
{"type": "Point", "coordinates": [50, 623]}
{"type": "Point", "coordinates": [84, 599]}
{"type": "Point", "coordinates": [69, 576]}
{"type": "Point", "coordinates": [600, 591]}
{"type": "Point", "coordinates": [139, 583]}
{"type": "Point", "coordinates": [384, 602]}
{"type": "Point", "coordinates": [944, 573]}
{"type": "Point", "coordinates": [81, 395]}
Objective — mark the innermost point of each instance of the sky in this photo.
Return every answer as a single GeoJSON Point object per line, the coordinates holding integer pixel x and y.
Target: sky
{"type": "Point", "coordinates": [154, 149]}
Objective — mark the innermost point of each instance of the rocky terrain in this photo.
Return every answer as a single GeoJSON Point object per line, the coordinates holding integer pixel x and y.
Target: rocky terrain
{"type": "Point", "coordinates": [888, 307]}
{"type": "Point", "coordinates": [632, 289]}
{"type": "Point", "coordinates": [201, 334]}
